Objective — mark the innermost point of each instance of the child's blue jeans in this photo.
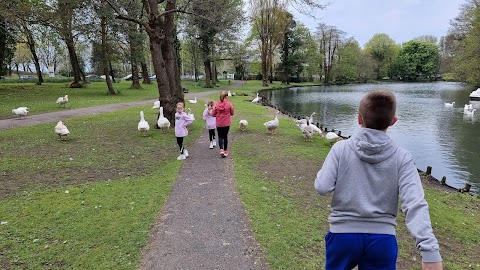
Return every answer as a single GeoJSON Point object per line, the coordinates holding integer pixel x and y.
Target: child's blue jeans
{"type": "Point", "coordinates": [368, 251]}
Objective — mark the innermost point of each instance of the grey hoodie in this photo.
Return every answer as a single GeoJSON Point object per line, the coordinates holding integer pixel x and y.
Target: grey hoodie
{"type": "Point", "coordinates": [369, 174]}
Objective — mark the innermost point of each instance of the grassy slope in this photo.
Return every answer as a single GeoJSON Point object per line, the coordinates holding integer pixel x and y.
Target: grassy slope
{"type": "Point", "coordinates": [115, 193]}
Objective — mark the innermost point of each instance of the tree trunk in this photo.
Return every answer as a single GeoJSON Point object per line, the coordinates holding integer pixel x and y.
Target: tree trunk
{"type": "Point", "coordinates": [170, 54]}
{"type": "Point", "coordinates": [146, 77]}
{"type": "Point", "coordinates": [68, 37]}
{"type": "Point", "coordinates": [31, 47]}
{"type": "Point", "coordinates": [106, 68]}
{"type": "Point", "coordinates": [135, 77]}
{"type": "Point", "coordinates": [264, 57]}
{"type": "Point", "coordinates": [208, 73]}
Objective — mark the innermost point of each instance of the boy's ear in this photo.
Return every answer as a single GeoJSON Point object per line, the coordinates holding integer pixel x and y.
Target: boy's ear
{"type": "Point", "coordinates": [360, 120]}
{"type": "Point", "coordinates": [394, 120]}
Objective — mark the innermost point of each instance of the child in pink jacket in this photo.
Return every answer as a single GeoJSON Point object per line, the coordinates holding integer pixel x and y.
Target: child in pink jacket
{"type": "Point", "coordinates": [223, 111]}
{"type": "Point", "coordinates": [182, 120]}
{"type": "Point", "coordinates": [210, 123]}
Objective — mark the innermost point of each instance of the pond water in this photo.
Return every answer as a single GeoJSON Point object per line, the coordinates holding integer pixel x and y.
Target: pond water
{"type": "Point", "coordinates": [438, 136]}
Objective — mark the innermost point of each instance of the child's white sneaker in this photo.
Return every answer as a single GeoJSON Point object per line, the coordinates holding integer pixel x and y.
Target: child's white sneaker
{"type": "Point", "coordinates": [181, 157]}
{"type": "Point", "coordinates": [185, 152]}
{"type": "Point", "coordinates": [211, 145]}
{"type": "Point", "coordinates": [214, 143]}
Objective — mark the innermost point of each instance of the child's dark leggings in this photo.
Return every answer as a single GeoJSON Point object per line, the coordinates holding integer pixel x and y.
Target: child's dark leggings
{"type": "Point", "coordinates": [180, 144]}
{"type": "Point", "coordinates": [222, 137]}
{"type": "Point", "coordinates": [211, 134]}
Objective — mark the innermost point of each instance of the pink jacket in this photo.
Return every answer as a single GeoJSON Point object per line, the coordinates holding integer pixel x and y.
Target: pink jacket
{"type": "Point", "coordinates": [223, 110]}
{"type": "Point", "coordinates": [182, 120]}
{"type": "Point", "coordinates": [209, 119]}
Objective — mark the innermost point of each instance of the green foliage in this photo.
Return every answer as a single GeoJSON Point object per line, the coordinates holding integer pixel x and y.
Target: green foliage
{"type": "Point", "coordinates": [382, 50]}
{"type": "Point", "coordinates": [417, 58]}
{"type": "Point", "coordinates": [468, 58]}
{"type": "Point", "coordinates": [349, 63]}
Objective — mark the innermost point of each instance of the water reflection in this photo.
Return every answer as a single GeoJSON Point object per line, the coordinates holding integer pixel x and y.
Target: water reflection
{"type": "Point", "coordinates": [438, 136]}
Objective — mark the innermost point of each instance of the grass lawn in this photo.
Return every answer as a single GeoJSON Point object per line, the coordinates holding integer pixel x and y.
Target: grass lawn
{"type": "Point", "coordinates": [90, 202]}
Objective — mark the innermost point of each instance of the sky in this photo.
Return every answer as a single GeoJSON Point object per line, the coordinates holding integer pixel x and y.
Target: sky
{"type": "Point", "coordinates": [402, 20]}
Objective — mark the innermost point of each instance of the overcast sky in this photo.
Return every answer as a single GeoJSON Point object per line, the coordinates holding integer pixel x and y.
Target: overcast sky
{"type": "Point", "coordinates": [402, 20]}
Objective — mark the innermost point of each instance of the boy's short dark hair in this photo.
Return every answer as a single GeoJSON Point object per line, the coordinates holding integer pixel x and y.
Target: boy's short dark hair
{"type": "Point", "coordinates": [377, 109]}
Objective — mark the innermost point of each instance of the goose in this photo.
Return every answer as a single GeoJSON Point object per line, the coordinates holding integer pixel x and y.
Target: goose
{"type": "Point", "coordinates": [257, 99]}
{"type": "Point", "coordinates": [61, 130]}
{"type": "Point", "coordinates": [272, 125]}
{"type": "Point", "coordinates": [243, 124]}
{"type": "Point", "coordinates": [314, 128]}
{"type": "Point", "coordinates": [229, 93]}
{"type": "Point", "coordinates": [467, 108]}
{"type": "Point", "coordinates": [193, 100]}
{"type": "Point", "coordinates": [191, 114]}
{"type": "Point", "coordinates": [156, 105]}
{"type": "Point", "coordinates": [449, 104]}
{"type": "Point", "coordinates": [62, 100]}
{"type": "Point", "coordinates": [307, 131]}
{"type": "Point", "coordinates": [304, 121]}
{"type": "Point", "coordinates": [20, 111]}
{"type": "Point", "coordinates": [163, 122]}
{"type": "Point", "coordinates": [143, 125]}
{"type": "Point", "coordinates": [332, 137]}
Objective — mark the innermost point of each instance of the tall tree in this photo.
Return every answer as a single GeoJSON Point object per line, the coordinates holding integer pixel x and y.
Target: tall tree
{"type": "Point", "coordinates": [381, 49]}
{"type": "Point", "coordinates": [160, 27]}
{"type": "Point", "coordinates": [417, 58]}
{"type": "Point", "coordinates": [328, 39]}
{"type": "Point", "coordinates": [468, 57]}
{"type": "Point", "coordinates": [349, 61]}
{"type": "Point", "coordinates": [7, 45]}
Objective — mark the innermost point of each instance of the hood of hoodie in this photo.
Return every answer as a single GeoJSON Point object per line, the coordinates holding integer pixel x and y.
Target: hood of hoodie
{"type": "Point", "coordinates": [372, 146]}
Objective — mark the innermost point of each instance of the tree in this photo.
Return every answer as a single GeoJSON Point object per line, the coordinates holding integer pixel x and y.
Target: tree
{"type": "Point", "coordinates": [468, 57]}
{"type": "Point", "coordinates": [328, 39]}
{"type": "Point", "coordinates": [417, 58]}
{"type": "Point", "coordinates": [7, 46]}
{"type": "Point", "coordinates": [349, 61]}
{"type": "Point", "coordinates": [381, 49]}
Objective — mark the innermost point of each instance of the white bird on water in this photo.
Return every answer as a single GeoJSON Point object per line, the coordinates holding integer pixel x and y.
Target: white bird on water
{"type": "Point", "coordinates": [20, 111]}
{"type": "Point", "coordinates": [449, 104]}
{"type": "Point", "coordinates": [143, 125]}
{"type": "Point", "coordinates": [61, 130]}
{"type": "Point", "coordinates": [62, 100]}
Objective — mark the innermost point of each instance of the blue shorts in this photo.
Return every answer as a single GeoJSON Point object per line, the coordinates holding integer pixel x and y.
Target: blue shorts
{"type": "Point", "coordinates": [368, 251]}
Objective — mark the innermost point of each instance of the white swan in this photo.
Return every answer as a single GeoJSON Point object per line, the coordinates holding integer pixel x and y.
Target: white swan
{"type": "Point", "coordinates": [193, 100]}
{"type": "Point", "coordinates": [449, 104]}
{"type": "Point", "coordinates": [20, 111]}
{"type": "Point", "coordinates": [143, 125]}
{"type": "Point", "coordinates": [257, 99]}
{"type": "Point", "coordinates": [471, 113]}
{"type": "Point", "coordinates": [332, 137]}
{"type": "Point", "coordinates": [62, 100]}
{"type": "Point", "coordinates": [156, 104]}
{"type": "Point", "coordinates": [61, 130]}
{"type": "Point", "coordinates": [163, 122]}
{"type": "Point", "coordinates": [272, 125]}
{"type": "Point", "coordinates": [243, 124]}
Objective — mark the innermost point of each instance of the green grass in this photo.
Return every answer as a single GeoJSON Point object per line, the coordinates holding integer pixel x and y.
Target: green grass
{"type": "Point", "coordinates": [117, 182]}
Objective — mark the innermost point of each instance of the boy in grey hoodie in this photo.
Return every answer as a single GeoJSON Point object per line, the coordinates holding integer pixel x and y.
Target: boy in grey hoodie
{"type": "Point", "coordinates": [369, 174]}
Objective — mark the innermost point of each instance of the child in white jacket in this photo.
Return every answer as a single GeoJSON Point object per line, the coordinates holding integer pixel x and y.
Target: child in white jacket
{"type": "Point", "coordinates": [210, 123]}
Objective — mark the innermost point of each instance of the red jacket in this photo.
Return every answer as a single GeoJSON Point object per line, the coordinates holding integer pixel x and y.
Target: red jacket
{"type": "Point", "coordinates": [222, 111]}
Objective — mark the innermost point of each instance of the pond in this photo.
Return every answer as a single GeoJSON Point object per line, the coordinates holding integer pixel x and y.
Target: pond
{"type": "Point", "coordinates": [437, 135]}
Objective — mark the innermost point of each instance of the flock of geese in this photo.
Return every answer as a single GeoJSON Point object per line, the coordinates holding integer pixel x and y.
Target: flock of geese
{"type": "Point", "coordinates": [306, 126]}
{"type": "Point", "coordinates": [468, 110]}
